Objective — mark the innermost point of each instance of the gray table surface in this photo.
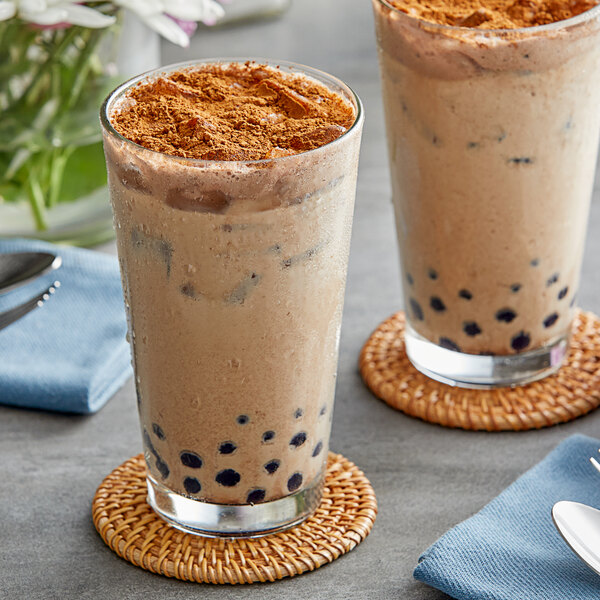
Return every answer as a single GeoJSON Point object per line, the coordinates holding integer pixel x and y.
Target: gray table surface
{"type": "Point", "coordinates": [426, 478]}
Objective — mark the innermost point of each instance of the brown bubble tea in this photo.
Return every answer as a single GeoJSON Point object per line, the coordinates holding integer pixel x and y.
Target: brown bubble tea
{"type": "Point", "coordinates": [234, 266]}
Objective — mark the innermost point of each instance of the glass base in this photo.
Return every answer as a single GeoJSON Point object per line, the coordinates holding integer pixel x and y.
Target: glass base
{"type": "Point", "coordinates": [483, 372]}
{"type": "Point", "coordinates": [234, 520]}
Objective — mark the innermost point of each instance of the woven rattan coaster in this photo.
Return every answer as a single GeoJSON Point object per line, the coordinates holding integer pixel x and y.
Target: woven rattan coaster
{"type": "Point", "coordinates": [571, 392]}
{"type": "Point", "coordinates": [133, 530]}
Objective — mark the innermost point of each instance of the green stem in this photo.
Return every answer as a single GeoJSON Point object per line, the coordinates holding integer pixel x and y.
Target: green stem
{"type": "Point", "coordinates": [41, 72]}
{"type": "Point", "coordinates": [36, 200]}
{"type": "Point", "coordinates": [83, 65]}
{"type": "Point", "coordinates": [57, 171]}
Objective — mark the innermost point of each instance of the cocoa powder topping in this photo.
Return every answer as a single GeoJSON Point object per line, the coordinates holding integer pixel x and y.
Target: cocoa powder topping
{"type": "Point", "coordinates": [232, 112]}
{"type": "Point", "coordinates": [493, 14]}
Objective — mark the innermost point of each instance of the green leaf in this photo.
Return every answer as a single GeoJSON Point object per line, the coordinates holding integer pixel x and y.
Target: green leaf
{"type": "Point", "coordinates": [84, 172]}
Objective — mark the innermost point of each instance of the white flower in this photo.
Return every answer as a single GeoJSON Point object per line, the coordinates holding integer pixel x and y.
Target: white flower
{"type": "Point", "coordinates": [156, 14]}
{"type": "Point", "coordinates": [53, 12]}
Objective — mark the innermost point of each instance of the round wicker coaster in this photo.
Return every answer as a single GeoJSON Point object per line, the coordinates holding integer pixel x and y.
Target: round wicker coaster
{"type": "Point", "coordinates": [571, 392]}
{"type": "Point", "coordinates": [136, 533]}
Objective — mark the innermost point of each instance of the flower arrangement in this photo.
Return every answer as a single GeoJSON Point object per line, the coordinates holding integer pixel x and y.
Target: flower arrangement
{"type": "Point", "coordinates": [52, 82]}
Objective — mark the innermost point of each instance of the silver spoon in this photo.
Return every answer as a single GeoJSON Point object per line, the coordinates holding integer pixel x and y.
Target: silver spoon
{"type": "Point", "coordinates": [17, 268]}
{"type": "Point", "coordinates": [579, 525]}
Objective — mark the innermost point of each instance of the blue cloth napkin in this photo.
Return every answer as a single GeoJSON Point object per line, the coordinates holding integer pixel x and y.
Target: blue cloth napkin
{"type": "Point", "coordinates": [510, 550]}
{"type": "Point", "coordinates": [71, 354]}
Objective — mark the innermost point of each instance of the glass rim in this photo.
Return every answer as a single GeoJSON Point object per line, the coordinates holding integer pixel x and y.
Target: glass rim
{"type": "Point", "coordinates": [556, 25]}
{"type": "Point", "coordinates": [290, 66]}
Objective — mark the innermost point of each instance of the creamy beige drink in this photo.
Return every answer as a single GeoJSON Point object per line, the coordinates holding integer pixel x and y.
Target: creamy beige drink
{"type": "Point", "coordinates": [234, 272]}
{"type": "Point", "coordinates": [493, 113]}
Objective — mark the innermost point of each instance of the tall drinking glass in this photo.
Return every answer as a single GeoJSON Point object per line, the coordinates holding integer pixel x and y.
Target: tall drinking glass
{"type": "Point", "coordinates": [233, 275]}
{"type": "Point", "coordinates": [492, 139]}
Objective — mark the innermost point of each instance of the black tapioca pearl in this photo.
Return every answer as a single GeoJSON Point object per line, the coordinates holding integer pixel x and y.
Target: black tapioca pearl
{"type": "Point", "coordinates": [243, 419]}
{"type": "Point", "coordinates": [298, 439]}
{"type": "Point", "coordinates": [437, 304]}
{"type": "Point", "coordinates": [534, 262]}
{"type": "Point", "coordinates": [162, 467]}
{"type": "Point", "coordinates": [317, 449]}
{"type": "Point", "coordinates": [432, 274]}
{"type": "Point", "coordinates": [187, 289]}
{"type": "Point", "coordinates": [521, 160]}
{"type": "Point", "coordinates": [294, 482]}
{"type": "Point", "coordinates": [563, 292]}
{"type": "Point", "coordinates": [227, 448]}
{"type": "Point", "coordinates": [506, 315]}
{"type": "Point", "coordinates": [272, 466]}
{"type": "Point", "coordinates": [550, 320]}
{"type": "Point", "coordinates": [471, 328]}
{"type": "Point", "coordinates": [449, 344]}
{"type": "Point", "coordinates": [515, 287]}
{"type": "Point", "coordinates": [410, 279]}
{"type": "Point", "coordinates": [466, 294]}
{"type": "Point", "coordinates": [191, 485]}
{"type": "Point", "coordinates": [298, 413]}
{"type": "Point", "coordinates": [190, 459]}
{"type": "Point", "coordinates": [552, 280]}
{"type": "Point", "coordinates": [256, 496]}
{"type": "Point", "coordinates": [267, 436]}
{"type": "Point", "coordinates": [520, 341]}
{"type": "Point", "coordinates": [158, 432]}
{"type": "Point", "coordinates": [228, 478]}
{"type": "Point", "coordinates": [416, 309]}
{"type": "Point", "coordinates": [239, 294]}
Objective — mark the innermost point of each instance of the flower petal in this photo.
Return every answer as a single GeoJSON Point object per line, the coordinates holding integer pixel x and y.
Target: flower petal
{"type": "Point", "coordinates": [51, 16]}
{"type": "Point", "coordinates": [194, 10]}
{"type": "Point", "coordinates": [188, 27]}
{"type": "Point", "coordinates": [31, 6]}
{"type": "Point", "coordinates": [142, 8]}
{"type": "Point", "coordinates": [87, 17]}
{"type": "Point", "coordinates": [168, 29]}
{"type": "Point", "coordinates": [214, 12]}
{"type": "Point", "coordinates": [7, 10]}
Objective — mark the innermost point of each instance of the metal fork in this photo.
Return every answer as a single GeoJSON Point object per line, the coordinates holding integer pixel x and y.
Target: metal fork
{"type": "Point", "coordinates": [10, 316]}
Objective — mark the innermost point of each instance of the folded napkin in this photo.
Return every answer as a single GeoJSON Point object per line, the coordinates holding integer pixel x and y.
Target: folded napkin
{"type": "Point", "coordinates": [71, 354]}
{"type": "Point", "coordinates": [510, 550]}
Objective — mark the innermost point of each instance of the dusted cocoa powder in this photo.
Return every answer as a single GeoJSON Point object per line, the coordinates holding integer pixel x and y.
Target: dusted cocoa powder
{"type": "Point", "coordinates": [232, 112]}
{"type": "Point", "coordinates": [493, 14]}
